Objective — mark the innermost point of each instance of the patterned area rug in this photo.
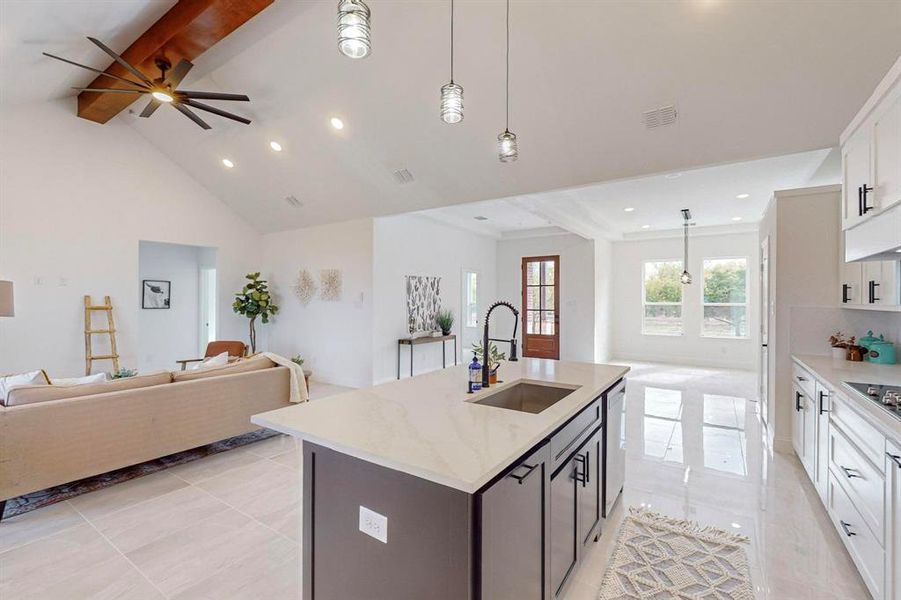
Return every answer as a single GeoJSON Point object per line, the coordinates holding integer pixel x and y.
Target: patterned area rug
{"type": "Point", "coordinates": [660, 557]}
{"type": "Point", "coordinates": [35, 500]}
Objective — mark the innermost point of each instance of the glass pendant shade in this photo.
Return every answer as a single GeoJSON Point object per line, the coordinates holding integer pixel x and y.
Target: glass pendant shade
{"type": "Point", "coordinates": [686, 277]}
{"type": "Point", "coordinates": [353, 28]}
{"type": "Point", "coordinates": [507, 150]}
{"type": "Point", "coordinates": [451, 103]}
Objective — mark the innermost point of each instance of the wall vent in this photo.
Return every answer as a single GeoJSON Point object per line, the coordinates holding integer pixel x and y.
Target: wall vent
{"type": "Point", "coordinates": [665, 115]}
{"type": "Point", "coordinates": [402, 176]}
{"type": "Point", "coordinates": [293, 202]}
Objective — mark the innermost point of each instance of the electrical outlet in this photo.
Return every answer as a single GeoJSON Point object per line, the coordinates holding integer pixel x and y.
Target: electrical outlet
{"type": "Point", "coordinates": [373, 524]}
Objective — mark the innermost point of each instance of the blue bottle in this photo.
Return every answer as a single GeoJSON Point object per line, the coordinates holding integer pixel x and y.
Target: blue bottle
{"type": "Point", "coordinates": [475, 375]}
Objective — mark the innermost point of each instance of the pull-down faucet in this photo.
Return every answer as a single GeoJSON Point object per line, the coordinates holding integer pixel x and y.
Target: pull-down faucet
{"type": "Point", "coordinates": [486, 353]}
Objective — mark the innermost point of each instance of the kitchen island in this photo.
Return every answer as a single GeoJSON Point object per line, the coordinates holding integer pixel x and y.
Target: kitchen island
{"type": "Point", "coordinates": [416, 489]}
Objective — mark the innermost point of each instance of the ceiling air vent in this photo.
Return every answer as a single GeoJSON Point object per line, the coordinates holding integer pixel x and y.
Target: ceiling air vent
{"type": "Point", "coordinates": [293, 202]}
{"type": "Point", "coordinates": [665, 115]}
{"type": "Point", "coordinates": [402, 176]}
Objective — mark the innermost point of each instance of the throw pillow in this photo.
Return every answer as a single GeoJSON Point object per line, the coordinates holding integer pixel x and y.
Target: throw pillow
{"type": "Point", "coordinates": [7, 382]}
{"type": "Point", "coordinates": [213, 361]}
{"type": "Point", "coordinates": [96, 378]}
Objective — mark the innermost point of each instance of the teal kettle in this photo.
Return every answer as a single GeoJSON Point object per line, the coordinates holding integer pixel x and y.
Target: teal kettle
{"type": "Point", "coordinates": [882, 352]}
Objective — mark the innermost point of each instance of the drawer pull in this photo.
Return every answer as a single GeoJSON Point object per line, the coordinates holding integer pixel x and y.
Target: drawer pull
{"type": "Point", "coordinates": [822, 410]}
{"type": "Point", "coordinates": [798, 401]}
{"type": "Point", "coordinates": [849, 473]}
{"type": "Point", "coordinates": [847, 528]}
{"type": "Point", "coordinates": [895, 458]}
{"type": "Point", "coordinates": [520, 478]}
{"type": "Point", "coordinates": [583, 476]}
{"type": "Point", "coordinates": [801, 378]}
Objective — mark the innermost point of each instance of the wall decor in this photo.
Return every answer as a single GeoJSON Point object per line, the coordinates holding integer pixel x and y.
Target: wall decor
{"type": "Point", "coordinates": [423, 303]}
{"type": "Point", "coordinates": [330, 284]}
{"type": "Point", "coordinates": [305, 287]}
{"type": "Point", "coordinates": [155, 293]}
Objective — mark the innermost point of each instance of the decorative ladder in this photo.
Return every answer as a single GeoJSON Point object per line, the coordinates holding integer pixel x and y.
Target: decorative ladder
{"type": "Point", "coordinates": [89, 357]}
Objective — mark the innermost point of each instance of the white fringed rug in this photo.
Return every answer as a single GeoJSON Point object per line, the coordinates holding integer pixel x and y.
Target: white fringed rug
{"type": "Point", "coordinates": [660, 557]}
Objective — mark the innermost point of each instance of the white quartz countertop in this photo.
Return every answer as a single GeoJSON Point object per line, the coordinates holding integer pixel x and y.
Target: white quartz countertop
{"type": "Point", "coordinates": [835, 371]}
{"type": "Point", "coordinates": [427, 425]}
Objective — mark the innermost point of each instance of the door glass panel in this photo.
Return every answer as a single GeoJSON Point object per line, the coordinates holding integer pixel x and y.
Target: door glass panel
{"type": "Point", "coordinates": [547, 322]}
{"type": "Point", "coordinates": [532, 273]}
{"type": "Point", "coordinates": [547, 295]}
{"type": "Point", "coordinates": [547, 272]}
{"type": "Point", "coordinates": [533, 322]}
{"type": "Point", "coordinates": [533, 297]}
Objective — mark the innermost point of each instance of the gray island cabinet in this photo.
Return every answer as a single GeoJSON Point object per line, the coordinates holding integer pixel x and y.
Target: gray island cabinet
{"type": "Point", "coordinates": [416, 490]}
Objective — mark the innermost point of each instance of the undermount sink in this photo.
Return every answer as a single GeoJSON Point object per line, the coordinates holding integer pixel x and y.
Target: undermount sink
{"type": "Point", "coordinates": [526, 396]}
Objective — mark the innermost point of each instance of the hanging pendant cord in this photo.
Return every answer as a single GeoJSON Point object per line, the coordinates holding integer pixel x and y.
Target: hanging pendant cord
{"type": "Point", "coordinates": [507, 91]}
{"type": "Point", "coordinates": [452, 41]}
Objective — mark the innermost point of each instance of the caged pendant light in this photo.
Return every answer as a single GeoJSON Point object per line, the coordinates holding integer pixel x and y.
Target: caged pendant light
{"type": "Point", "coordinates": [507, 150]}
{"type": "Point", "coordinates": [686, 276]}
{"type": "Point", "coordinates": [353, 29]}
{"type": "Point", "coordinates": [451, 93]}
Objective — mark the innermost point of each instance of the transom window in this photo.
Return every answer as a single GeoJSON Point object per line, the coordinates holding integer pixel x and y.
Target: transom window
{"type": "Point", "coordinates": [725, 298]}
{"type": "Point", "coordinates": [661, 296]}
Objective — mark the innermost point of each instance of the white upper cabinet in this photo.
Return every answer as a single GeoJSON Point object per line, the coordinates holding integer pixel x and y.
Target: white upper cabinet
{"type": "Point", "coordinates": [887, 153]}
{"type": "Point", "coordinates": [851, 278]}
{"type": "Point", "coordinates": [880, 283]}
{"type": "Point", "coordinates": [856, 178]}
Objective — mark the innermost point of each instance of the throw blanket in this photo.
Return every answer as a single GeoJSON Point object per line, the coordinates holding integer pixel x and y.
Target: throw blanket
{"type": "Point", "coordinates": [298, 385]}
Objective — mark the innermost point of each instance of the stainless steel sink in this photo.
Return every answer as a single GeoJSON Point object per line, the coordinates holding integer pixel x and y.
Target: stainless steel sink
{"type": "Point", "coordinates": [526, 396]}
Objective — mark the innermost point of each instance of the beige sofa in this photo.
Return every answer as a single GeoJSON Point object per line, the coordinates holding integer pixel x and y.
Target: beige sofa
{"type": "Point", "coordinates": [49, 437]}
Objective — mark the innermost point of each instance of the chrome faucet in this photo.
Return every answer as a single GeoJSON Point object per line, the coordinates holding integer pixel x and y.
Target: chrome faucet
{"type": "Point", "coordinates": [486, 353]}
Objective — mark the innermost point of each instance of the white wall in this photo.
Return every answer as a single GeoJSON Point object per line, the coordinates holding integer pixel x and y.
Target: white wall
{"type": "Point", "coordinates": [166, 335]}
{"type": "Point", "coordinates": [690, 348]}
{"type": "Point", "coordinates": [577, 286]}
{"type": "Point", "coordinates": [603, 300]}
{"type": "Point", "coordinates": [416, 245]}
{"type": "Point", "coordinates": [75, 199]}
{"type": "Point", "coordinates": [335, 337]}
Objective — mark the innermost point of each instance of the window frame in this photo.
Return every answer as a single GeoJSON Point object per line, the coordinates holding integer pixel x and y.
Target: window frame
{"type": "Point", "coordinates": [645, 303]}
{"type": "Point", "coordinates": [464, 306]}
{"type": "Point", "coordinates": [746, 304]}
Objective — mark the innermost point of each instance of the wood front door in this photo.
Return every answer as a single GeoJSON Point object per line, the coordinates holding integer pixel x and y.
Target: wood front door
{"type": "Point", "coordinates": [541, 306]}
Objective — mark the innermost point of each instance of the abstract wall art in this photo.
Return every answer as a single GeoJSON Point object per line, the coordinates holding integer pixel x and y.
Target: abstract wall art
{"type": "Point", "coordinates": [330, 285]}
{"type": "Point", "coordinates": [423, 303]}
{"type": "Point", "coordinates": [305, 286]}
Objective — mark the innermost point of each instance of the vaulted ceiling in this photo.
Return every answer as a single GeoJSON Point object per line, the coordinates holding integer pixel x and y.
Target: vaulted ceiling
{"type": "Point", "coordinates": [749, 80]}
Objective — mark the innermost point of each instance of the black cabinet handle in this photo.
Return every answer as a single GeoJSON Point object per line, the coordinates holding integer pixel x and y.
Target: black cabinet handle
{"type": "Point", "coordinates": [895, 458]}
{"type": "Point", "coordinates": [822, 410]}
{"type": "Point", "coordinates": [520, 478]}
{"type": "Point", "coordinates": [583, 476]}
{"type": "Point", "coordinates": [847, 528]}
{"type": "Point", "coordinates": [849, 473]}
{"type": "Point", "coordinates": [859, 201]}
{"type": "Point", "coordinates": [872, 285]}
{"type": "Point", "coordinates": [798, 401]}
{"type": "Point", "coordinates": [801, 378]}
{"type": "Point", "coordinates": [865, 190]}
{"type": "Point", "coordinates": [845, 298]}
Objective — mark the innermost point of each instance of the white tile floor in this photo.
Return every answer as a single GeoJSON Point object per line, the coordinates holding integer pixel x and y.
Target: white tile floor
{"type": "Point", "coordinates": [227, 526]}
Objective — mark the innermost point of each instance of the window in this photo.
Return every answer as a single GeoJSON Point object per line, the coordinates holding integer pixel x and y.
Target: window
{"type": "Point", "coordinates": [725, 298]}
{"type": "Point", "coordinates": [470, 299]}
{"type": "Point", "coordinates": [662, 298]}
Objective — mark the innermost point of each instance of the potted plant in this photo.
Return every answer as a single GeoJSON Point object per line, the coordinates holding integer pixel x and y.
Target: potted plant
{"type": "Point", "coordinates": [494, 359]}
{"type": "Point", "coordinates": [254, 301]}
{"type": "Point", "coordinates": [445, 321]}
{"type": "Point", "coordinates": [840, 345]}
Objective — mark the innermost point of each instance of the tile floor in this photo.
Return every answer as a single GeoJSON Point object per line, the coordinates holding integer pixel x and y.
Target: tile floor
{"type": "Point", "coordinates": [227, 526]}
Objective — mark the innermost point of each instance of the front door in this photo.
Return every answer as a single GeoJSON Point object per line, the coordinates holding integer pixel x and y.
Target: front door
{"type": "Point", "coordinates": [541, 306]}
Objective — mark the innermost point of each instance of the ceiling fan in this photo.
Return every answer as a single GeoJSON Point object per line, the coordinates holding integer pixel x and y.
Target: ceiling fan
{"type": "Point", "coordinates": [163, 90]}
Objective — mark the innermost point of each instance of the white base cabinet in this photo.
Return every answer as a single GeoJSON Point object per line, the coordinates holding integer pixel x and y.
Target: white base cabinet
{"type": "Point", "coordinates": [893, 521]}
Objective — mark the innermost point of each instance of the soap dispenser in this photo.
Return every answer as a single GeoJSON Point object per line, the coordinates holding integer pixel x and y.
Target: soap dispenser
{"type": "Point", "coordinates": [475, 375]}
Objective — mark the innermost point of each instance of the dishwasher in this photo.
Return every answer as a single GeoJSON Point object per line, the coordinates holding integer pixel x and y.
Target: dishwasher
{"type": "Point", "coordinates": [614, 445]}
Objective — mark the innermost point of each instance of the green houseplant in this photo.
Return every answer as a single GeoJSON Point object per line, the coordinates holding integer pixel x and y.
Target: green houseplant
{"type": "Point", "coordinates": [254, 301]}
{"type": "Point", "coordinates": [445, 321]}
{"type": "Point", "coordinates": [494, 358]}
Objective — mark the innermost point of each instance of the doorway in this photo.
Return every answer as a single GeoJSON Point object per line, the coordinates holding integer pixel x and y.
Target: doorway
{"type": "Point", "coordinates": [764, 329]}
{"type": "Point", "coordinates": [541, 306]}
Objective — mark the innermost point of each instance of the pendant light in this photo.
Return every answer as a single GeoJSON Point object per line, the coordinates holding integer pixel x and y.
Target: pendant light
{"type": "Point", "coordinates": [686, 276]}
{"type": "Point", "coordinates": [507, 150]}
{"type": "Point", "coordinates": [353, 28]}
{"type": "Point", "coordinates": [451, 93]}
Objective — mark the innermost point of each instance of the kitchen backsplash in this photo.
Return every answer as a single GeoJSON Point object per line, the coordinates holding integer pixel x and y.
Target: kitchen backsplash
{"type": "Point", "coordinates": [812, 326]}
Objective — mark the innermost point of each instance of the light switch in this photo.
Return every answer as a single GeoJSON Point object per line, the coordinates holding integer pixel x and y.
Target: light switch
{"type": "Point", "coordinates": [373, 524]}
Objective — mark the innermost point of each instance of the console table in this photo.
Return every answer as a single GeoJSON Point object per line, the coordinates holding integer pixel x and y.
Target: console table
{"type": "Point", "coordinates": [411, 342]}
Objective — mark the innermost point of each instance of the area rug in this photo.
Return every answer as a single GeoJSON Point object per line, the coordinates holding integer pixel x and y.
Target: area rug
{"type": "Point", "coordinates": [661, 557]}
{"type": "Point", "coordinates": [35, 500]}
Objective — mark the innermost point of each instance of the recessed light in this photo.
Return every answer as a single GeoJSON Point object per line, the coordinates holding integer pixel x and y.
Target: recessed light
{"type": "Point", "coordinates": [275, 146]}
{"type": "Point", "coordinates": [645, 226]}
{"type": "Point", "coordinates": [736, 218]}
{"type": "Point", "coordinates": [898, 250]}
{"type": "Point", "coordinates": [229, 164]}
{"type": "Point", "coordinates": [629, 209]}
{"type": "Point", "coordinates": [736, 525]}
{"type": "Point", "coordinates": [337, 123]}
{"type": "Point", "coordinates": [480, 218]}
{"type": "Point", "coordinates": [743, 196]}
{"type": "Point", "coordinates": [673, 175]}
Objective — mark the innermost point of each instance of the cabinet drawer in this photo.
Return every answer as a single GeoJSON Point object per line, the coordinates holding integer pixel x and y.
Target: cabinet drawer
{"type": "Point", "coordinates": [863, 482]}
{"type": "Point", "coordinates": [866, 437]}
{"type": "Point", "coordinates": [803, 379]}
{"type": "Point", "coordinates": [862, 545]}
{"type": "Point", "coordinates": [571, 435]}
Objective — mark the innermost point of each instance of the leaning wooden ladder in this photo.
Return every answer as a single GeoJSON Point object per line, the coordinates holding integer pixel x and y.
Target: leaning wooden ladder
{"type": "Point", "coordinates": [89, 332]}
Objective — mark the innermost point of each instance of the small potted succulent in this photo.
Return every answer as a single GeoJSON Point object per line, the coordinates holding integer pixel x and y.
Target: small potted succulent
{"type": "Point", "coordinates": [494, 361]}
{"type": "Point", "coordinates": [840, 345]}
{"type": "Point", "coordinates": [445, 320]}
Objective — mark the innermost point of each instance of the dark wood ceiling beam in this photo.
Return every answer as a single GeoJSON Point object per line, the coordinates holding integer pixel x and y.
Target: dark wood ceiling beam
{"type": "Point", "coordinates": [186, 31]}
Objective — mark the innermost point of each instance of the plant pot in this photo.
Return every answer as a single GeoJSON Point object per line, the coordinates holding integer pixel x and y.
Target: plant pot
{"type": "Point", "coordinates": [492, 376]}
{"type": "Point", "coordinates": [443, 332]}
{"type": "Point", "coordinates": [840, 353]}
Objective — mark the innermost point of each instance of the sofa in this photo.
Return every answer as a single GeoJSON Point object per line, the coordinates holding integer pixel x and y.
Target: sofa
{"type": "Point", "coordinates": [52, 434]}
